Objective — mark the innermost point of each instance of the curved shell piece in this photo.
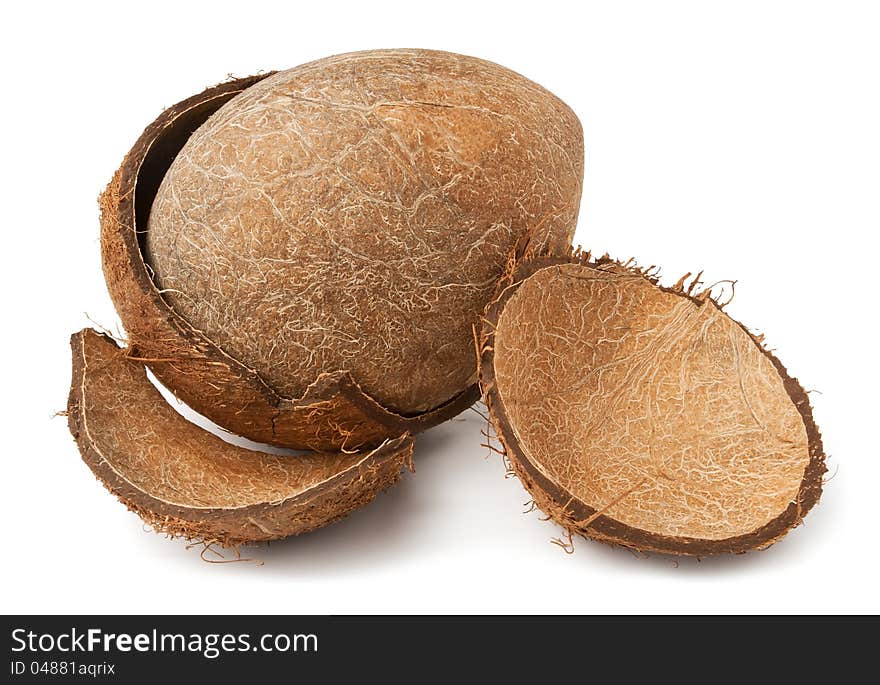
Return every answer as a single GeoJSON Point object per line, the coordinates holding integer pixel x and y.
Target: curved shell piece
{"type": "Point", "coordinates": [186, 481]}
{"type": "Point", "coordinates": [644, 416]}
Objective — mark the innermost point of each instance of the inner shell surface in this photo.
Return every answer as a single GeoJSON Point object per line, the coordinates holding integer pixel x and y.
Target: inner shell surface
{"type": "Point", "coordinates": [660, 413]}
{"type": "Point", "coordinates": [355, 213]}
{"type": "Point", "coordinates": [162, 454]}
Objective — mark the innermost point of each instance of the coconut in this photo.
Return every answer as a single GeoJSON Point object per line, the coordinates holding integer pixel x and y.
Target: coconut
{"type": "Point", "coordinates": [185, 481]}
{"type": "Point", "coordinates": [301, 256]}
{"type": "Point", "coordinates": [645, 416]}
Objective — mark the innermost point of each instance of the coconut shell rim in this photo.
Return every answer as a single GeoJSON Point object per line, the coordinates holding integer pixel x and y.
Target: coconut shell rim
{"type": "Point", "coordinates": [327, 385]}
{"type": "Point", "coordinates": [566, 509]}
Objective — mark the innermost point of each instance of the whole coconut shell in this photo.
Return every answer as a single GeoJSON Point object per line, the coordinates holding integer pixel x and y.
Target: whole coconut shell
{"type": "Point", "coordinates": [344, 223]}
{"type": "Point", "coordinates": [645, 416]}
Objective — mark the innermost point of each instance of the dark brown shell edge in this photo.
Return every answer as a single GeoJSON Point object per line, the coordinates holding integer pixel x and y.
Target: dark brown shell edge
{"type": "Point", "coordinates": [567, 510]}
{"type": "Point", "coordinates": [314, 508]}
{"type": "Point", "coordinates": [334, 413]}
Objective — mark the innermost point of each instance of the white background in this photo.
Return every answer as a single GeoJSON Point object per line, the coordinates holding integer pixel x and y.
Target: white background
{"type": "Point", "coordinates": [742, 138]}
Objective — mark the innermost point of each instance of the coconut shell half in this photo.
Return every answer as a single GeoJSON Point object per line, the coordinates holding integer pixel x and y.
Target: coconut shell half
{"type": "Point", "coordinates": [333, 413]}
{"type": "Point", "coordinates": [185, 481]}
{"type": "Point", "coordinates": [645, 416]}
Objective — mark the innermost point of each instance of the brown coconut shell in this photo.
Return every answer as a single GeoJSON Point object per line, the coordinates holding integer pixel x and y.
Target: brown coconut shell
{"type": "Point", "coordinates": [185, 481]}
{"type": "Point", "coordinates": [355, 213]}
{"type": "Point", "coordinates": [655, 465]}
{"type": "Point", "coordinates": [333, 413]}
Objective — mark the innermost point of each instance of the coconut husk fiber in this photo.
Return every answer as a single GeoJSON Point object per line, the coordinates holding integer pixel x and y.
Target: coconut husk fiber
{"type": "Point", "coordinates": [301, 256]}
{"type": "Point", "coordinates": [645, 416]}
{"type": "Point", "coordinates": [185, 481]}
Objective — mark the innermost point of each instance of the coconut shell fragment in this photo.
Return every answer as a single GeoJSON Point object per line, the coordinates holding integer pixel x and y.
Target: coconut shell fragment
{"type": "Point", "coordinates": [301, 256]}
{"type": "Point", "coordinates": [645, 416]}
{"type": "Point", "coordinates": [185, 481]}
